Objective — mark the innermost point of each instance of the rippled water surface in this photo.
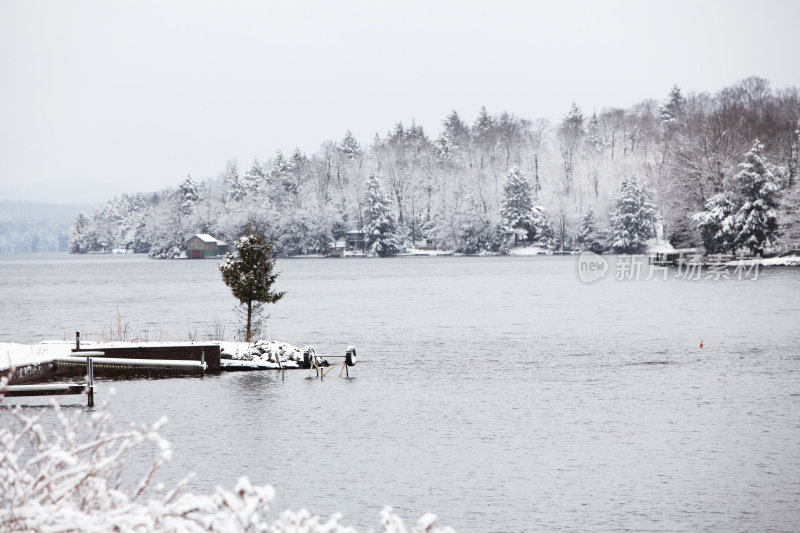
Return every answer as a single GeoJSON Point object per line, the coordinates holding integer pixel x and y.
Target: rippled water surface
{"type": "Point", "coordinates": [500, 393]}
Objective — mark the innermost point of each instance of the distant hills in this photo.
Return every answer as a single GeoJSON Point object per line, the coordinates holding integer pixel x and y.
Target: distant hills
{"type": "Point", "coordinates": [36, 227]}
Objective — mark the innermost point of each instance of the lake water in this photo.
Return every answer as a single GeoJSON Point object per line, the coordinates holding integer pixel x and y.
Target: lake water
{"type": "Point", "coordinates": [501, 393]}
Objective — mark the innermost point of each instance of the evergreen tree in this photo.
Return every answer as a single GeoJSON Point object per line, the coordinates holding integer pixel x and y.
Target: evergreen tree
{"type": "Point", "coordinates": [672, 111]}
{"type": "Point", "coordinates": [279, 178]}
{"type": "Point", "coordinates": [297, 175]}
{"type": "Point", "coordinates": [756, 221]}
{"type": "Point", "coordinates": [477, 235]}
{"type": "Point", "coordinates": [166, 233]}
{"type": "Point", "coordinates": [443, 149]}
{"type": "Point", "coordinates": [517, 209]}
{"type": "Point", "coordinates": [570, 136]}
{"type": "Point", "coordinates": [380, 226]}
{"type": "Point", "coordinates": [593, 136]}
{"type": "Point", "coordinates": [78, 236]}
{"type": "Point", "coordinates": [484, 124]}
{"type": "Point", "coordinates": [188, 195]}
{"type": "Point", "coordinates": [350, 147]}
{"type": "Point", "coordinates": [234, 189]}
{"type": "Point", "coordinates": [455, 136]}
{"type": "Point", "coordinates": [544, 229]}
{"type": "Point", "coordinates": [585, 235]}
{"type": "Point", "coordinates": [562, 236]}
{"type": "Point", "coordinates": [794, 158]}
{"type": "Point", "coordinates": [254, 179]}
{"type": "Point", "coordinates": [250, 277]}
{"type": "Point", "coordinates": [301, 233]}
{"type": "Point", "coordinates": [633, 219]}
{"type": "Point", "coordinates": [715, 224]}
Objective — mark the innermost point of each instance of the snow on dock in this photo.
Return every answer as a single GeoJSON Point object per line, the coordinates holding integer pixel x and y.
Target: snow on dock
{"type": "Point", "coordinates": [229, 355]}
{"type": "Point", "coordinates": [21, 355]}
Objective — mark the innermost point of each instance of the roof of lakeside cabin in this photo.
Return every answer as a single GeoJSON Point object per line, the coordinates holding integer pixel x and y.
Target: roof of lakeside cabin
{"type": "Point", "coordinates": [205, 237]}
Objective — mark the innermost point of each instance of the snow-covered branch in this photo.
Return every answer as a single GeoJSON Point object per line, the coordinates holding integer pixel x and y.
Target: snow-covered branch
{"type": "Point", "coordinates": [69, 479]}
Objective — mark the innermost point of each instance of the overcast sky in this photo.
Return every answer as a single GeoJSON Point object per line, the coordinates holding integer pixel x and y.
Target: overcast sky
{"type": "Point", "coordinates": [100, 98]}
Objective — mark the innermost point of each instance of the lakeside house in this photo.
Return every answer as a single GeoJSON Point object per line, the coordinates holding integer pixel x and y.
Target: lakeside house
{"type": "Point", "coordinates": [355, 240]}
{"type": "Point", "coordinates": [337, 248]}
{"type": "Point", "coordinates": [203, 245]}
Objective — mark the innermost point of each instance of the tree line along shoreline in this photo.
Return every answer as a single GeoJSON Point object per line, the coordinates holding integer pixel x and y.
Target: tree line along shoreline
{"type": "Point", "coordinates": [713, 170]}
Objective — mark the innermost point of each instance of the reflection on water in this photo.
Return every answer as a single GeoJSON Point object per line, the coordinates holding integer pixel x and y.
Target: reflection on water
{"type": "Point", "coordinates": [501, 393]}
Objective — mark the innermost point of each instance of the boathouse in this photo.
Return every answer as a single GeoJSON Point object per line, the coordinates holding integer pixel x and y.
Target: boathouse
{"type": "Point", "coordinates": [204, 245]}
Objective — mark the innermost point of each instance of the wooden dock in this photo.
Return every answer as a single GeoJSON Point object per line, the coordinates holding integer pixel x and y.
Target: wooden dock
{"type": "Point", "coordinates": [101, 363]}
{"type": "Point", "coordinates": [56, 389]}
{"type": "Point", "coordinates": [43, 389]}
{"type": "Point", "coordinates": [210, 353]}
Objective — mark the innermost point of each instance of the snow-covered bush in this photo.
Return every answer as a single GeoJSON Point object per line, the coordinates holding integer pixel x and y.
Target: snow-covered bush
{"type": "Point", "coordinates": [70, 479]}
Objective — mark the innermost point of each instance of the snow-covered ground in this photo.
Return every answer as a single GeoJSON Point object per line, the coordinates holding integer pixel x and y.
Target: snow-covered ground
{"type": "Point", "coordinates": [420, 252]}
{"type": "Point", "coordinates": [788, 260]}
{"type": "Point", "coordinates": [529, 250]}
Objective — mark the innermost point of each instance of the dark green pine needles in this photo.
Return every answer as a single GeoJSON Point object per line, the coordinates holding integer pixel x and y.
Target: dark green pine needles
{"type": "Point", "coordinates": [251, 277]}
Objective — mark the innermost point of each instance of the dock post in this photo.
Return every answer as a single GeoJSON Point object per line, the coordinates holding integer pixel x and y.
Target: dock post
{"type": "Point", "coordinates": [202, 362]}
{"type": "Point", "coordinates": [77, 341]}
{"type": "Point", "coordinates": [90, 371]}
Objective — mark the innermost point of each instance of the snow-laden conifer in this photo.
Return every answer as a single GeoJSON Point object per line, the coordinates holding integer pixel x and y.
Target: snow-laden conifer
{"type": "Point", "coordinates": [382, 236]}
{"type": "Point", "coordinates": [585, 234]}
{"type": "Point", "coordinates": [188, 195]}
{"type": "Point", "coordinates": [349, 146]}
{"type": "Point", "coordinates": [715, 224]}
{"type": "Point", "coordinates": [671, 112]}
{"type": "Point", "coordinates": [756, 221]}
{"type": "Point", "coordinates": [517, 213]}
{"type": "Point", "coordinates": [633, 218]}
{"type": "Point", "coordinates": [232, 184]}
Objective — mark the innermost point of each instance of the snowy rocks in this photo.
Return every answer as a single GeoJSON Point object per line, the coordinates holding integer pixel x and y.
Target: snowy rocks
{"type": "Point", "coordinates": [267, 353]}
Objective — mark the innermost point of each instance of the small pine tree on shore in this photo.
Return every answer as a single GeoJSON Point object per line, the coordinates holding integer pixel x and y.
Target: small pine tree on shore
{"type": "Point", "coordinates": [633, 219]}
{"type": "Point", "coordinates": [250, 277]}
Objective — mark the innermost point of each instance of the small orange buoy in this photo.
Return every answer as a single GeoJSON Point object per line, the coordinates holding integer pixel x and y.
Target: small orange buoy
{"type": "Point", "coordinates": [701, 343]}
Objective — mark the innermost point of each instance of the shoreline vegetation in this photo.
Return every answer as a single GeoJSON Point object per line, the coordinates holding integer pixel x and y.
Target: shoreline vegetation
{"type": "Point", "coordinates": [694, 169]}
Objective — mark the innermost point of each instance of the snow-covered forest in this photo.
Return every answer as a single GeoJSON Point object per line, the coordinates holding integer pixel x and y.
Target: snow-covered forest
{"type": "Point", "coordinates": [482, 184]}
